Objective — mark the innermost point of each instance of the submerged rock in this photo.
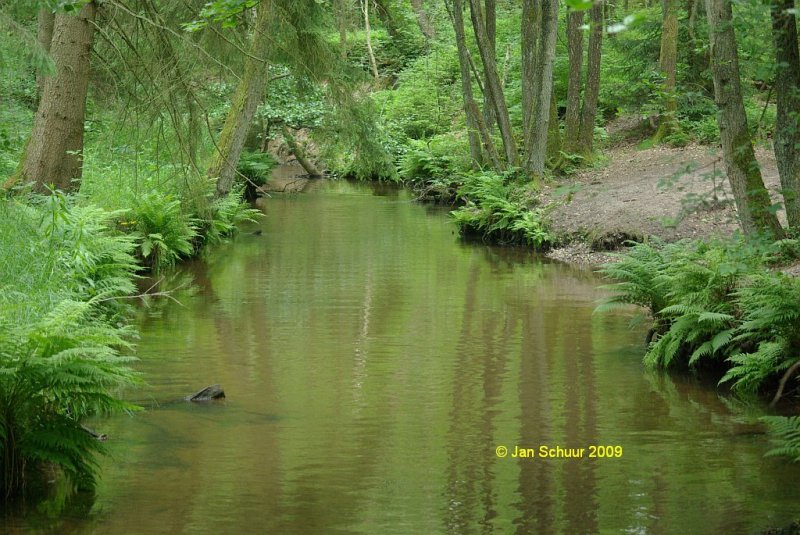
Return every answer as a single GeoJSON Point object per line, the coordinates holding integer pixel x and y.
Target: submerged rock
{"type": "Point", "coordinates": [209, 393]}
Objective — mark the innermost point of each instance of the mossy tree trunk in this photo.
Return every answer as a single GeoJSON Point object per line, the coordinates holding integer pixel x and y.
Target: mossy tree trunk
{"type": "Point", "coordinates": [592, 90]}
{"type": "Point", "coordinates": [53, 153]}
{"type": "Point", "coordinates": [572, 126]}
{"type": "Point", "coordinates": [243, 107]}
{"type": "Point", "coordinates": [299, 153]}
{"type": "Point", "coordinates": [744, 174]}
{"type": "Point", "coordinates": [492, 83]}
{"type": "Point", "coordinates": [668, 65]}
{"type": "Point", "coordinates": [787, 90]}
{"type": "Point", "coordinates": [536, 146]}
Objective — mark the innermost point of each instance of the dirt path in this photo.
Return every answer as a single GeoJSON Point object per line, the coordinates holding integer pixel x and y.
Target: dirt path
{"type": "Point", "coordinates": [671, 193]}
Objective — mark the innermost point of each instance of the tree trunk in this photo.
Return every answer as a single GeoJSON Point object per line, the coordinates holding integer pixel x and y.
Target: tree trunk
{"type": "Point", "coordinates": [589, 111]}
{"type": "Point", "coordinates": [537, 145]}
{"type": "Point", "coordinates": [388, 21]}
{"type": "Point", "coordinates": [373, 65]}
{"type": "Point", "coordinates": [668, 64]}
{"type": "Point", "coordinates": [476, 127]}
{"type": "Point", "coordinates": [787, 90]}
{"type": "Point", "coordinates": [299, 153]}
{"type": "Point", "coordinates": [554, 141]}
{"type": "Point", "coordinates": [54, 150]}
{"type": "Point", "coordinates": [243, 107]}
{"type": "Point", "coordinates": [423, 20]}
{"type": "Point", "coordinates": [572, 127]}
{"type": "Point", "coordinates": [744, 175]}
{"type": "Point", "coordinates": [492, 85]}
{"type": "Point", "coordinates": [44, 35]}
{"type": "Point", "coordinates": [531, 15]}
{"type": "Point", "coordinates": [340, 10]}
{"type": "Point", "coordinates": [490, 16]}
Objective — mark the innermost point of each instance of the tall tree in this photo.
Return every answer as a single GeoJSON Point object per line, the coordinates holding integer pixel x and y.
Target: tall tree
{"type": "Point", "coordinates": [592, 91]}
{"type": "Point", "coordinates": [787, 90]}
{"type": "Point", "coordinates": [45, 21]}
{"type": "Point", "coordinates": [572, 126]}
{"type": "Point", "coordinates": [373, 65]}
{"type": "Point", "coordinates": [744, 174]}
{"type": "Point", "coordinates": [531, 19]}
{"type": "Point", "coordinates": [53, 152]}
{"type": "Point", "coordinates": [536, 145]}
{"type": "Point", "coordinates": [668, 65]}
{"type": "Point", "coordinates": [341, 13]}
{"type": "Point", "coordinates": [476, 128]}
{"type": "Point", "coordinates": [490, 16]}
{"type": "Point", "coordinates": [424, 21]}
{"type": "Point", "coordinates": [492, 83]}
{"type": "Point", "coordinates": [243, 106]}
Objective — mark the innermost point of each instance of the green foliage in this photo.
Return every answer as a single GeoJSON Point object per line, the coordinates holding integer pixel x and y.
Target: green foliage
{"type": "Point", "coordinates": [61, 270]}
{"type": "Point", "coordinates": [497, 209]}
{"type": "Point", "coordinates": [256, 166]}
{"type": "Point", "coordinates": [227, 213]}
{"type": "Point", "coordinates": [637, 273]}
{"type": "Point", "coordinates": [786, 435]}
{"type": "Point", "coordinates": [425, 100]}
{"type": "Point", "coordinates": [770, 307]}
{"type": "Point", "coordinates": [714, 302]}
{"type": "Point", "coordinates": [166, 232]}
{"type": "Point", "coordinates": [438, 158]}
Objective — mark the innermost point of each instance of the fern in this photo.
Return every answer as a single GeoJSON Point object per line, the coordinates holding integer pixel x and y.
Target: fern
{"type": "Point", "coordinates": [786, 436]}
{"type": "Point", "coordinates": [494, 210]}
{"type": "Point", "coordinates": [61, 344]}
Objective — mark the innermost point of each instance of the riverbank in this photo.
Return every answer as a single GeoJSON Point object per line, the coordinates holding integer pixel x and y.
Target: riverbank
{"type": "Point", "coordinates": [663, 192]}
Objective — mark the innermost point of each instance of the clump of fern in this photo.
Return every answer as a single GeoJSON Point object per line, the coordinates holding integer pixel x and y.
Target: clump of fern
{"type": "Point", "coordinates": [62, 341]}
{"type": "Point", "coordinates": [166, 232]}
{"type": "Point", "coordinates": [769, 332]}
{"type": "Point", "coordinates": [785, 433]}
{"type": "Point", "coordinates": [225, 215]}
{"type": "Point", "coordinates": [498, 210]}
{"type": "Point", "coordinates": [713, 303]}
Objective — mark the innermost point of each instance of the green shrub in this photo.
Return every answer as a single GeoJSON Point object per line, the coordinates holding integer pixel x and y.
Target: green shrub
{"type": "Point", "coordinates": [714, 302]}
{"type": "Point", "coordinates": [786, 435]}
{"type": "Point", "coordinates": [225, 215]}
{"type": "Point", "coordinates": [770, 330]}
{"type": "Point", "coordinates": [166, 233]}
{"type": "Point", "coordinates": [61, 270]}
{"type": "Point", "coordinates": [256, 166]}
{"type": "Point", "coordinates": [499, 211]}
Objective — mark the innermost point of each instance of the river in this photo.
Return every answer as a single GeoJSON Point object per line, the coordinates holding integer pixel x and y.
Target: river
{"type": "Point", "coordinates": [375, 365]}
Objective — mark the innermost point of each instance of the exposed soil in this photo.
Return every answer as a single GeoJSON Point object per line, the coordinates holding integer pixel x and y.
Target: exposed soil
{"type": "Point", "coordinates": [670, 193]}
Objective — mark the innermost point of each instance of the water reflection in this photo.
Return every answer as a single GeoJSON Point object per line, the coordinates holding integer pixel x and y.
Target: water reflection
{"type": "Point", "coordinates": [373, 363]}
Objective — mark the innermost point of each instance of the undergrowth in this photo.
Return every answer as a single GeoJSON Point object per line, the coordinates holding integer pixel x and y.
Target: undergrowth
{"type": "Point", "coordinates": [497, 208]}
{"type": "Point", "coordinates": [63, 340]}
{"type": "Point", "coordinates": [713, 304]}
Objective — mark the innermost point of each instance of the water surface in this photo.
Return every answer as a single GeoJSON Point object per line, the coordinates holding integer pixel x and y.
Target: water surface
{"type": "Point", "coordinates": [373, 364]}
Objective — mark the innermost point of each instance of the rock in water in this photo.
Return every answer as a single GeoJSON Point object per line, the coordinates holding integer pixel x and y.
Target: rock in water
{"type": "Point", "coordinates": [209, 393]}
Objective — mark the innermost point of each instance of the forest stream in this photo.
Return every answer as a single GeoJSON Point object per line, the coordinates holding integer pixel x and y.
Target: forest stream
{"type": "Point", "coordinates": [374, 364]}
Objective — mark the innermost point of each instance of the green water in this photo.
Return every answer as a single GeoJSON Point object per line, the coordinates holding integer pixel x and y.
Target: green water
{"type": "Point", "coordinates": [373, 364]}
